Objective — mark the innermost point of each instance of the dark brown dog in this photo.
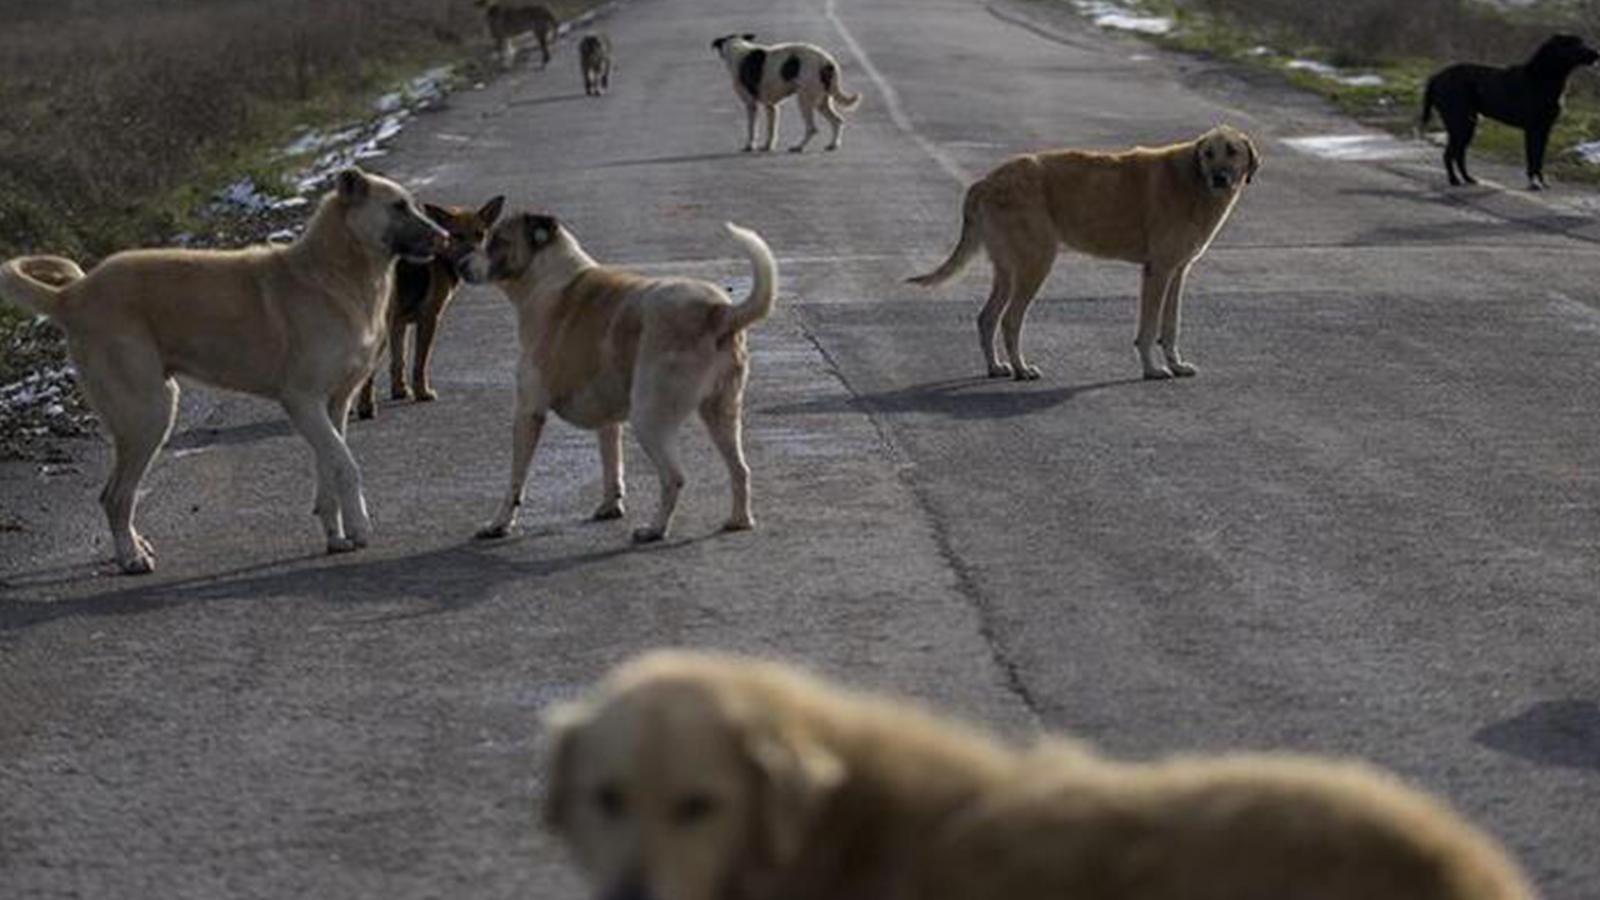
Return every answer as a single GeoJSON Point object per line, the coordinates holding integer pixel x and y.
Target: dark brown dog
{"type": "Point", "coordinates": [422, 291]}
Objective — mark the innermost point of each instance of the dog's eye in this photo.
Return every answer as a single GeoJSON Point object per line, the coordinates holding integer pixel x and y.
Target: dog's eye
{"type": "Point", "coordinates": [693, 808]}
{"type": "Point", "coordinates": [1232, 151]}
{"type": "Point", "coordinates": [609, 800]}
{"type": "Point", "coordinates": [1210, 153]}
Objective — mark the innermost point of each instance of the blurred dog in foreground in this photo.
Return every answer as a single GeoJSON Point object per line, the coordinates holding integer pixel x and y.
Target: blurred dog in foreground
{"type": "Point", "coordinates": [1526, 97]}
{"type": "Point", "coordinates": [694, 777]}
{"type": "Point", "coordinates": [600, 346]}
{"type": "Point", "coordinates": [594, 58]}
{"type": "Point", "coordinates": [764, 76]}
{"type": "Point", "coordinates": [422, 292]}
{"type": "Point", "coordinates": [507, 21]}
{"type": "Point", "coordinates": [301, 324]}
{"type": "Point", "coordinates": [1159, 208]}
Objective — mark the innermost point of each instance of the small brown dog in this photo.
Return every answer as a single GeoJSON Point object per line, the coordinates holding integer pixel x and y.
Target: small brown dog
{"type": "Point", "coordinates": [696, 777]}
{"type": "Point", "coordinates": [422, 292]}
{"type": "Point", "coordinates": [1158, 207]}
{"type": "Point", "coordinates": [594, 58]}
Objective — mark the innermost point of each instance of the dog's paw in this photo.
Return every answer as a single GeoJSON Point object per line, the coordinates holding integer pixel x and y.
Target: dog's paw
{"type": "Point", "coordinates": [1182, 369]}
{"type": "Point", "coordinates": [831, 147]}
{"type": "Point", "coordinates": [139, 565]}
{"type": "Point", "coordinates": [427, 395]}
{"type": "Point", "coordinates": [1029, 373]}
{"type": "Point", "coordinates": [748, 148]}
{"type": "Point", "coordinates": [400, 393]}
{"type": "Point", "coordinates": [366, 412]}
{"type": "Point", "coordinates": [1159, 373]}
{"type": "Point", "coordinates": [343, 544]}
{"type": "Point", "coordinates": [999, 370]}
{"type": "Point", "coordinates": [797, 149]}
{"type": "Point", "coordinates": [739, 523]}
{"type": "Point", "coordinates": [648, 535]}
{"type": "Point", "coordinates": [609, 511]}
{"type": "Point", "coordinates": [494, 531]}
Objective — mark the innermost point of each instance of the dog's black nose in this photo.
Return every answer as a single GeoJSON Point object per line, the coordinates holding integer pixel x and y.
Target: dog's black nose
{"type": "Point", "coordinates": [1219, 181]}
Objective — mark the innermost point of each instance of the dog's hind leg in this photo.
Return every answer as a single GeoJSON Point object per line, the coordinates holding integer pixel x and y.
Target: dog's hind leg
{"type": "Point", "coordinates": [527, 424]}
{"type": "Point", "coordinates": [834, 119]}
{"type": "Point", "coordinates": [1534, 140]}
{"type": "Point", "coordinates": [339, 504]}
{"type": "Point", "coordinates": [1032, 269]}
{"type": "Point", "coordinates": [1171, 310]}
{"type": "Point", "coordinates": [368, 406]}
{"type": "Point", "coordinates": [723, 416]}
{"type": "Point", "coordinates": [808, 112]}
{"type": "Point", "coordinates": [1153, 290]}
{"type": "Point", "coordinates": [398, 389]}
{"type": "Point", "coordinates": [422, 352]}
{"type": "Point", "coordinates": [611, 507]}
{"type": "Point", "coordinates": [661, 403]}
{"type": "Point", "coordinates": [989, 322]}
{"type": "Point", "coordinates": [1461, 131]}
{"type": "Point", "coordinates": [138, 405]}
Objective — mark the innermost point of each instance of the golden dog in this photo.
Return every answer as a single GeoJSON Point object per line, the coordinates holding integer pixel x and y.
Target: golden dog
{"type": "Point", "coordinates": [600, 347]}
{"type": "Point", "coordinates": [1159, 208]}
{"type": "Point", "coordinates": [695, 777]}
{"type": "Point", "coordinates": [300, 324]}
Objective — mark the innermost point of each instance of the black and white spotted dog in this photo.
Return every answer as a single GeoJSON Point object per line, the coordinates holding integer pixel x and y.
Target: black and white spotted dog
{"type": "Point", "coordinates": [764, 76]}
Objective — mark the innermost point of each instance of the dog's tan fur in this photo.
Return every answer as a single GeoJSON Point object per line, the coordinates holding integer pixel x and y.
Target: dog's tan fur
{"type": "Point", "coordinates": [698, 777]}
{"type": "Point", "coordinates": [1159, 208]}
{"type": "Point", "coordinates": [300, 324]}
{"type": "Point", "coordinates": [507, 21]}
{"type": "Point", "coordinates": [601, 347]}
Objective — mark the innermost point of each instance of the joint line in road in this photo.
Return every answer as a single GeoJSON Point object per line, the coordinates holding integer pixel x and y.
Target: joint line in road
{"type": "Point", "coordinates": [891, 99]}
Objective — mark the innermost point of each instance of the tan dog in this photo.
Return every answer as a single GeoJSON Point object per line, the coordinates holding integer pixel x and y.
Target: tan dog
{"type": "Point", "coordinates": [506, 22]}
{"type": "Point", "coordinates": [1159, 208]}
{"type": "Point", "coordinates": [301, 324]}
{"type": "Point", "coordinates": [422, 292]}
{"type": "Point", "coordinates": [693, 777]}
{"type": "Point", "coordinates": [602, 346]}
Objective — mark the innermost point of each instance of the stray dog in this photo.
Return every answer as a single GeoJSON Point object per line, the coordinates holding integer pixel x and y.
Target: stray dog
{"type": "Point", "coordinates": [1160, 208]}
{"type": "Point", "coordinates": [695, 777]}
{"type": "Point", "coordinates": [594, 57]}
{"type": "Point", "coordinates": [422, 291]}
{"type": "Point", "coordinates": [765, 75]}
{"type": "Point", "coordinates": [600, 346]}
{"type": "Point", "coordinates": [507, 22]}
{"type": "Point", "coordinates": [301, 324]}
{"type": "Point", "coordinates": [1526, 97]}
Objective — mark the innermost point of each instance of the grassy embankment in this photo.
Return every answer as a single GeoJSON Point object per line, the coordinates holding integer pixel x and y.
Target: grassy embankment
{"type": "Point", "coordinates": [1404, 43]}
{"type": "Point", "coordinates": [124, 117]}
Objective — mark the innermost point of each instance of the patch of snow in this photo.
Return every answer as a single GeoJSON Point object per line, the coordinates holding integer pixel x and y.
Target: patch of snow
{"type": "Point", "coordinates": [1261, 50]}
{"type": "Point", "coordinates": [1354, 147]}
{"type": "Point", "coordinates": [1589, 152]}
{"type": "Point", "coordinates": [1332, 73]}
{"type": "Point", "coordinates": [1118, 17]}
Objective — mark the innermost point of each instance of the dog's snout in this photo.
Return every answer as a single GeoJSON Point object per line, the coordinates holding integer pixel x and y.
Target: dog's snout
{"type": "Point", "coordinates": [631, 889]}
{"type": "Point", "coordinates": [1221, 181]}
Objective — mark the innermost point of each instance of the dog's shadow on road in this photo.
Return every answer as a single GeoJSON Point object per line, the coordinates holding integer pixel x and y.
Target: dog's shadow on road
{"type": "Point", "coordinates": [962, 399]}
{"type": "Point", "coordinates": [1562, 733]}
{"type": "Point", "coordinates": [449, 579]}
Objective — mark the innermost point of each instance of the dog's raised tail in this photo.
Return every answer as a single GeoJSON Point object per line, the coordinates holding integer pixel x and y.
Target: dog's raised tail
{"type": "Point", "coordinates": [966, 248]}
{"type": "Point", "coordinates": [757, 304]}
{"type": "Point", "coordinates": [830, 81]}
{"type": "Point", "coordinates": [35, 282]}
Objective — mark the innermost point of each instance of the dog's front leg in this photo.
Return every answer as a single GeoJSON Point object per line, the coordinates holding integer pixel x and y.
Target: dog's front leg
{"type": "Point", "coordinates": [526, 427]}
{"type": "Point", "coordinates": [611, 471]}
{"type": "Point", "coordinates": [1152, 293]}
{"type": "Point", "coordinates": [750, 126]}
{"type": "Point", "coordinates": [339, 504]}
{"type": "Point", "coordinates": [1171, 310]}
{"type": "Point", "coordinates": [772, 127]}
{"type": "Point", "coordinates": [1534, 140]}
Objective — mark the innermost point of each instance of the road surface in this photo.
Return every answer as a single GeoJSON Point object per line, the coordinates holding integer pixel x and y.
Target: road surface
{"type": "Point", "coordinates": [1369, 527]}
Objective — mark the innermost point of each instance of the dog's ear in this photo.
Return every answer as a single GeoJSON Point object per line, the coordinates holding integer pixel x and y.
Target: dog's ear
{"type": "Point", "coordinates": [1255, 161]}
{"type": "Point", "coordinates": [438, 214]}
{"type": "Point", "coordinates": [563, 723]}
{"type": "Point", "coordinates": [352, 184]}
{"type": "Point", "coordinates": [490, 212]}
{"type": "Point", "coordinates": [795, 778]}
{"type": "Point", "coordinates": [540, 230]}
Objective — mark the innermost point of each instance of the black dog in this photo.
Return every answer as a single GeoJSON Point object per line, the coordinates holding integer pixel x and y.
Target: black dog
{"type": "Point", "coordinates": [1526, 96]}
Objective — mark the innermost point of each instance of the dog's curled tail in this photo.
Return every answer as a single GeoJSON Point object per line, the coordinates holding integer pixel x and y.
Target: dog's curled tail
{"type": "Point", "coordinates": [758, 304]}
{"type": "Point", "coordinates": [35, 282]}
{"type": "Point", "coordinates": [966, 248]}
{"type": "Point", "coordinates": [830, 80]}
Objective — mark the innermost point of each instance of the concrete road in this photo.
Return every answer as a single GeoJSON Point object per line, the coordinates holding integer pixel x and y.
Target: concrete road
{"type": "Point", "coordinates": [1369, 527]}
